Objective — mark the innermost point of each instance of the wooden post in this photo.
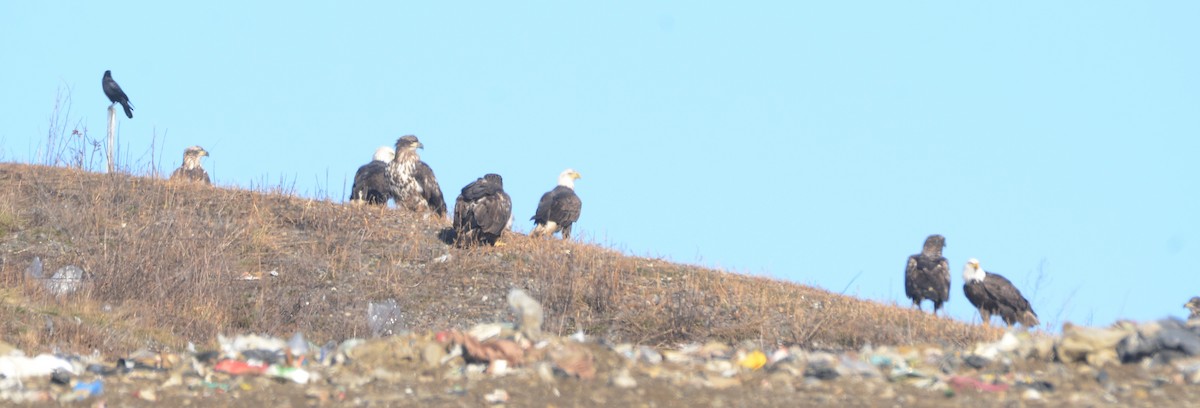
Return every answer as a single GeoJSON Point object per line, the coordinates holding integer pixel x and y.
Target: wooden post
{"type": "Point", "coordinates": [112, 131]}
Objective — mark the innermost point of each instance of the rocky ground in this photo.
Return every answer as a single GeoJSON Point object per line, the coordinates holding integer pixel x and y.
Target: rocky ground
{"type": "Point", "coordinates": [1147, 364]}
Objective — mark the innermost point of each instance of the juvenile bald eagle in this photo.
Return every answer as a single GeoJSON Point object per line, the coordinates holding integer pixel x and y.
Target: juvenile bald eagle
{"type": "Point", "coordinates": [559, 208]}
{"type": "Point", "coordinates": [992, 293]}
{"type": "Point", "coordinates": [371, 181]}
{"type": "Point", "coordinates": [482, 212]}
{"type": "Point", "coordinates": [1194, 307]}
{"type": "Point", "coordinates": [115, 94]}
{"type": "Point", "coordinates": [191, 170]}
{"type": "Point", "coordinates": [413, 184]}
{"type": "Point", "coordinates": [928, 274]}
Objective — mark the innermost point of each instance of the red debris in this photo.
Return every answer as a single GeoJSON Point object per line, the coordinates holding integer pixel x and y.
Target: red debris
{"type": "Point", "coordinates": [236, 367]}
{"type": "Point", "coordinates": [967, 383]}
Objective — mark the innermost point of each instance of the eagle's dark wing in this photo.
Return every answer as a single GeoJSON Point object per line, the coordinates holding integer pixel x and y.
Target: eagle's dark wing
{"type": "Point", "coordinates": [479, 188]}
{"type": "Point", "coordinates": [566, 208]}
{"type": "Point", "coordinates": [462, 214]}
{"type": "Point", "coordinates": [542, 214]}
{"type": "Point", "coordinates": [430, 191]}
{"type": "Point", "coordinates": [371, 183]}
{"type": "Point", "coordinates": [493, 212]}
{"type": "Point", "coordinates": [1005, 293]}
{"type": "Point", "coordinates": [942, 272]}
{"type": "Point", "coordinates": [911, 276]}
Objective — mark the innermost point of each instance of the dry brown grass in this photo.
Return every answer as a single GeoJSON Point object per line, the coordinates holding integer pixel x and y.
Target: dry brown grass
{"type": "Point", "coordinates": [166, 261]}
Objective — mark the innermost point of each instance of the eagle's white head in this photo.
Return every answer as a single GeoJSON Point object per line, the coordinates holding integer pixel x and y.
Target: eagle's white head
{"type": "Point", "coordinates": [384, 154]}
{"type": "Point", "coordinates": [972, 272]}
{"type": "Point", "coordinates": [567, 178]}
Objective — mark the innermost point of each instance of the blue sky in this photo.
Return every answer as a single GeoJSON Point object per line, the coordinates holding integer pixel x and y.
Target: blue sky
{"type": "Point", "coordinates": [814, 142]}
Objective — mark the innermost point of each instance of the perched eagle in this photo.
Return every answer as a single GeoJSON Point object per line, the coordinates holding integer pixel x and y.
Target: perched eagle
{"type": "Point", "coordinates": [115, 94]}
{"type": "Point", "coordinates": [992, 293]}
{"type": "Point", "coordinates": [482, 212]}
{"type": "Point", "coordinates": [371, 182]}
{"type": "Point", "coordinates": [928, 274]}
{"type": "Point", "coordinates": [559, 208]}
{"type": "Point", "coordinates": [413, 184]}
{"type": "Point", "coordinates": [191, 170]}
{"type": "Point", "coordinates": [1193, 306]}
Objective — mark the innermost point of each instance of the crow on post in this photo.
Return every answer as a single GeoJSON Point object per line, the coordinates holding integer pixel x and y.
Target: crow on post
{"type": "Point", "coordinates": [115, 94]}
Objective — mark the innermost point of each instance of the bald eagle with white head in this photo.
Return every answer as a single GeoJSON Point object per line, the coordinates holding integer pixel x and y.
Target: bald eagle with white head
{"type": "Point", "coordinates": [371, 182]}
{"type": "Point", "coordinates": [413, 184]}
{"type": "Point", "coordinates": [559, 208]}
{"type": "Point", "coordinates": [993, 294]}
{"type": "Point", "coordinates": [927, 275]}
{"type": "Point", "coordinates": [190, 170]}
{"type": "Point", "coordinates": [482, 212]}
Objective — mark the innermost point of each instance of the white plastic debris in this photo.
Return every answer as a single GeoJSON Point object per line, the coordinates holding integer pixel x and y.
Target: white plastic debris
{"type": "Point", "coordinates": [19, 367]}
{"type": "Point", "coordinates": [486, 331]}
{"type": "Point", "coordinates": [991, 351]}
{"type": "Point", "coordinates": [297, 345]}
{"type": "Point", "coordinates": [384, 318]}
{"type": "Point", "coordinates": [497, 396]}
{"type": "Point", "coordinates": [529, 311]}
{"type": "Point", "coordinates": [231, 348]}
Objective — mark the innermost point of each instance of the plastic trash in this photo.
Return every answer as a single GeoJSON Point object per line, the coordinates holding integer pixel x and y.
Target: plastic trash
{"type": "Point", "coordinates": [90, 388]}
{"type": "Point", "coordinates": [236, 367]}
{"type": "Point", "coordinates": [384, 318]}
{"type": "Point", "coordinates": [753, 361]}
{"type": "Point", "coordinates": [528, 311]}
{"type": "Point", "coordinates": [19, 367]}
{"type": "Point", "coordinates": [295, 374]}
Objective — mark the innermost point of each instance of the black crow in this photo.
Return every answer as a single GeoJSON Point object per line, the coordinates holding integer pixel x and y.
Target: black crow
{"type": "Point", "coordinates": [115, 94]}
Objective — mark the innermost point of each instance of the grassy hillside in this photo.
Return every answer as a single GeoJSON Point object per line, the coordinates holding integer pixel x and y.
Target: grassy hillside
{"type": "Point", "coordinates": [166, 264]}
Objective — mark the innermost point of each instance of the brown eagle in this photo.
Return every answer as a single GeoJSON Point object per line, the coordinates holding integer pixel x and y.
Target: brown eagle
{"type": "Point", "coordinates": [1193, 306]}
{"type": "Point", "coordinates": [190, 170]}
{"type": "Point", "coordinates": [482, 212]}
{"type": "Point", "coordinates": [927, 275]}
{"type": "Point", "coordinates": [413, 184]}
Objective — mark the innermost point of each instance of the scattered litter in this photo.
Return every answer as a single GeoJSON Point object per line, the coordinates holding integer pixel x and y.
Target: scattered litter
{"type": "Point", "coordinates": [384, 318]}
{"type": "Point", "coordinates": [295, 374]}
{"type": "Point", "coordinates": [20, 367]}
{"type": "Point", "coordinates": [574, 360]}
{"type": "Point", "coordinates": [497, 396]}
{"type": "Point", "coordinates": [961, 383]}
{"type": "Point", "coordinates": [623, 380]}
{"type": "Point", "coordinates": [458, 362]}
{"type": "Point", "coordinates": [486, 351]}
{"type": "Point", "coordinates": [236, 367]}
{"type": "Point", "coordinates": [1095, 346]}
{"type": "Point", "coordinates": [529, 313]}
{"type": "Point", "coordinates": [753, 361]}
